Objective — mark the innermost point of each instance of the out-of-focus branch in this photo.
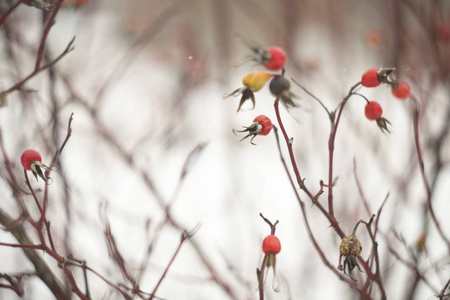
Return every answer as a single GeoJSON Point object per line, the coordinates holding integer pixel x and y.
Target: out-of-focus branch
{"type": "Point", "coordinates": [19, 84]}
{"type": "Point", "coordinates": [114, 250]}
{"type": "Point", "coordinates": [442, 294]}
{"type": "Point", "coordinates": [5, 16]}
{"type": "Point", "coordinates": [148, 181]}
{"type": "Point", "coordinates": [413, 268]}
{"type": "Point", "coordinates": [43, 271]}
{"type": "Point", "coordinates": [50, 20]}
{"type": "Point", "coordinates": [15, 282]}
{"type": "Point", "coordinates": [183, 238]}
{"type": "Point", "coordinates": [132, 52]}
{"type": "Point", "coordinates": [422, 172]}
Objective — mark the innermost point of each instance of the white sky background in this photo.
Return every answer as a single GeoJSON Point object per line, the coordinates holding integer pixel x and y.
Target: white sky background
{"type": "Point", "coordinates": [170, 98]}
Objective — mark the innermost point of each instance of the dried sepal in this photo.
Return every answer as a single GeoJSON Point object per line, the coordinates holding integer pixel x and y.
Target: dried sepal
{"type": "Point", "coordinates": [271, 262]}
{"type": "Point", "coordinates": [246, 92]}
{"type": "Point", "coordinates": [383, 124]}
{"type": "Point", "coordinates": [46, 5]}
{"type": "Point", "coordinates": [350, 247]}
{"type": "Point", "coordinates": [252, 130]}
{"type": "Point", "coordinates": [388, 75]}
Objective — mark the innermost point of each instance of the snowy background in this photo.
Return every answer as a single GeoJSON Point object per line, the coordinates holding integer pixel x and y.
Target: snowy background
{"type": "Point", "coordinates": [146, 83]}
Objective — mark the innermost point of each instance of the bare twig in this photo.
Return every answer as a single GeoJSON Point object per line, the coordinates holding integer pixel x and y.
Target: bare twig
{"type": "Point", "coordinates": [49, 23]}
{"type": "Point", "coordinates": [442, 294]}
{"type": "Point", "coordinates": [183, 238]}
{"type": "Point", "coordinates": [272, 225]}
{"type": "Point", "coordinates": [300, 180]}
{"type": "Point", "coordinates": [16, 5]}
{"type": "Point", "coordinates": [149, 183]}
{"type": "Point", "coordinates": [331, 142]}
{"type": "Point", "coordinates": [113, 250]}
{"type": "Point", "coordinates": [330, 115]}
{"type": "Point", "coordinates": [19, 84]}
{"type": "Point", "coordinates": [413, 268]}
{"type": "Point", "coordinates": [305, 219]}
{"type": "Point", "coordinates": [422, 172]}
{"type": "Point", "coordinates": [43, 271]}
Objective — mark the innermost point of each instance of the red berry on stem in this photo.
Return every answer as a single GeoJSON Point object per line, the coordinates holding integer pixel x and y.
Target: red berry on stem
{"type": "Point", "coordinates": [370, 78]}
{"type": "Point", "coordinates": [277, 58]}
{"type": "Point", "coordinates": [271, 244]}
{"type": "Point", "coordinates": [31, 160]}
{"type": "Point", "coordinates": [261, 126]}
{"type": "Point", "coordinates": [29, 157]}
{"type": "Point", "coordinates": [401, 90]}
{"type": "Point", "coordinates": [265, 123]}
{"type": "Point", "coordinates": [373, 110]}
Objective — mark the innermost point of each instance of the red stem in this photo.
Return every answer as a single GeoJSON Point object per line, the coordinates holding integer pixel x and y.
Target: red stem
{"type": "Point", "coordinates": [332, 220]}
{"type": "Point", "coordinates": [260, 275]}
{"type": "Point", "coordinates": [10, 11]}
{"type": "Point", "coordinates": [351, 283]}
{"type": "Point", "coordinates": [184, 236]}
{"type": "Point", "coordinates": [41, 211]}
{"type": "Point", "coordinates": [442, 294]}
{"type": "Point", "coordinates": [21, 246]}
{"type": "Point", "coordinates": [114, 286]}
{"type": "Point", "coordinates": [331, 142]}
{"type": "Point", "coordinates": [48, 26]}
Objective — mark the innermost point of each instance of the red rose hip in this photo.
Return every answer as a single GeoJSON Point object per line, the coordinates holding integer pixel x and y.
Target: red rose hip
{"type": "Point", "coordinates": [261, 126]}
{"type": "Point", "coordinates": [32, 161]}
{"type": "Point", "coordinates": [373, 110]}
{"type": "Point", "coordinates": [370, 78]}
{"type": "Point", "coordinates": [401, 90]}
{"type": "Point", "coordinates": [276, 59]}
{"type": "Point", "coordinates": [29, 157]}
{"type": "Point", "coordinates": [271, 244]}
{"type": "Point", "coordinates": [265, 123]}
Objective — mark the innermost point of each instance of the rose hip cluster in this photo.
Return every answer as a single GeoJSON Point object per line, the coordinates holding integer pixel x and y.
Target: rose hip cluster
{"type": "Point", "coordinates": [273, 59]}
{"type": "Point", "coordinates": [375, 77]}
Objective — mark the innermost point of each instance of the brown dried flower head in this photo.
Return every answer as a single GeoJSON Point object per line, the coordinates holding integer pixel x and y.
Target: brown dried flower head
{"type": "Point", "coordinates": [350, 246]}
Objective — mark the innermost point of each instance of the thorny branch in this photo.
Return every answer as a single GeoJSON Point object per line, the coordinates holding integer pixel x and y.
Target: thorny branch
{"type": "Point", "coordinates": [300, 180]}
{"type": "Point", "coordinates": [305, 218]}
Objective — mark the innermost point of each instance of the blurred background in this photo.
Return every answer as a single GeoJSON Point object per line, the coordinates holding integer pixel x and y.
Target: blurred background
{"type": "Point", "coordinates": [152, 152]}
